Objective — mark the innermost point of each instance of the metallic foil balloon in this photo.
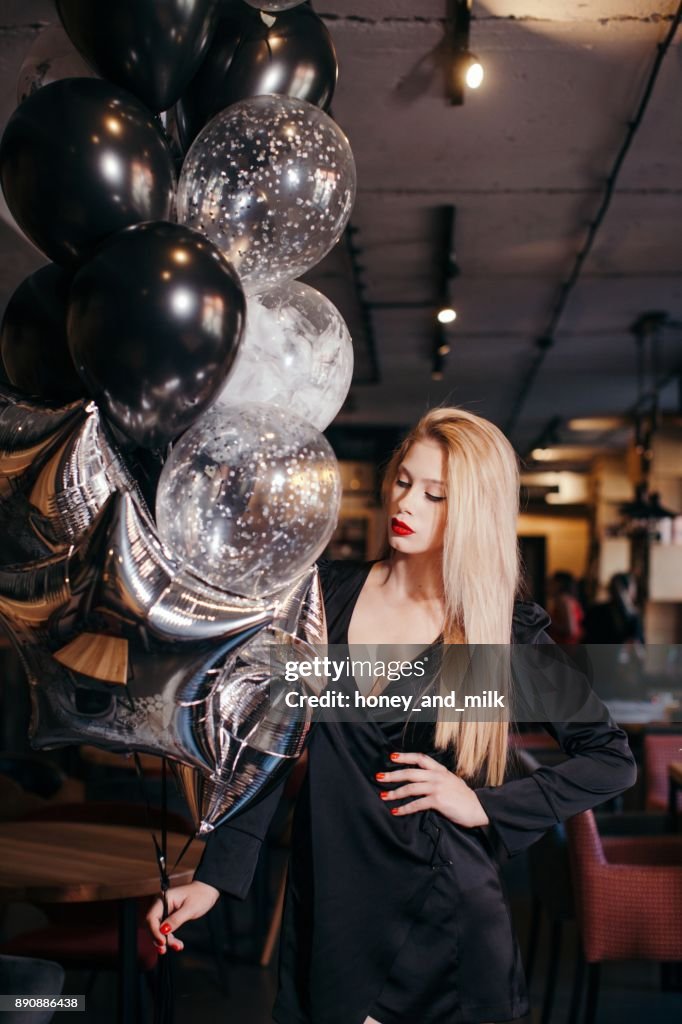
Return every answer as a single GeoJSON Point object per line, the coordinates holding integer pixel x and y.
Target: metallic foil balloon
{"type": "Point", "coordinates": [296, 354]}
{"type": "Point", "coordinates": [79, 160]}
{"type": "Point", "coordinates": [249, 497]}
{"type": "Point", "coordinates": [142, 583]}
{"type": "Point", "coordinates": [156, 708]}
{"type": "Point", "coordinates": [151, 48]}
{"type": "Point", "coordinates": [154, 325]}
{"type": "Point", "coordinates": [96, 631]}
{"type": "Point", "coordinates": [273, 5]}
{"type": "Point", "coordinates": [258, 737]}
{"type": "Point", "coordinates": [33, 337]}
{"type": "Point", "coordinates": [290, 55]}
{"type": "Point", "coordinates": [33, 592]}
{"type": "Point", "coordinates": [76, 480]}
{"type": "Point", "coordinates": [52, 505]}
{"type": "Point", "coordinates": [271, 181]}
{"type": "Point", "coordinates": [27, 432]}
{"type": "Point", "coordinates": [52, 56]}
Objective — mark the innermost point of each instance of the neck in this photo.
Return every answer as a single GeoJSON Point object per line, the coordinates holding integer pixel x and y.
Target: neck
{"type": "Point", "coordinates": [419, 577]}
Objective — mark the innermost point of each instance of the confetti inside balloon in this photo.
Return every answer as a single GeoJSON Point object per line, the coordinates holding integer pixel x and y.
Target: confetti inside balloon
{"type": "Point", "coordinates": [249, 497]}
{"type": "Point", "coordinates": [271, 181]}
{"type": "Point", "coordinates": [296, 354]}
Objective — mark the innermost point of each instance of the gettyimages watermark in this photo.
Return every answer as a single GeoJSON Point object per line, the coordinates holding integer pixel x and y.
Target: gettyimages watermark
{"type": "Point", "coordinates": [531, 683]}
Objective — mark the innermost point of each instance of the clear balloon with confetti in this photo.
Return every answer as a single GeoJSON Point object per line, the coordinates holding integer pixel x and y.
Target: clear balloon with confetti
{"type": "Point", "coordinates": [271, 181]}
{"type": "Point", "coordinates": [249, 497]}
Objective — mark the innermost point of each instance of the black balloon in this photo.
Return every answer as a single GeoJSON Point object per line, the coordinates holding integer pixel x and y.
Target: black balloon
{"type": "Point", "coordinates": [33, 337]}
{"type": "Point", "coordinates": [294, 56]}
{"type": "Point", "coordinates": [151, 48]}
{"type": "Point", "coordinates": [154, 325]}
{"type": "Point", "coordinates": [81, 159]}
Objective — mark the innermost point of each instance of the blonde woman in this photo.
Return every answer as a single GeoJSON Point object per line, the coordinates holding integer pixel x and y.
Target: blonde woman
{"type": "Point", "coordinates": [394, 911]}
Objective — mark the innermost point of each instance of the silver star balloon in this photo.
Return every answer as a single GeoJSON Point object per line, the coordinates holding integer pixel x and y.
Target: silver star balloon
{"type": "Point", "coordinates": [65, 481]}
{"type": "Point", "coordinates": [28, 430]}
{"type": "Point", "coordinates": [106, 634]}
{"type": "Point", "coordinates": [257, 737]}
{"type": "Point", "coordinates": [28, 434]}
{"type": "Point", "coordinates": [76, 480]}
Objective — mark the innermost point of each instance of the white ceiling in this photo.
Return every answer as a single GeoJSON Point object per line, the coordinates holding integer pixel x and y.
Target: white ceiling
{"type": "Point", "coordinates": [524, 161]}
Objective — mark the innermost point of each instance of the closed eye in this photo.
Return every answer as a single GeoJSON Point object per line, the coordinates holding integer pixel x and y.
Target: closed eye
{"type": "Point", "coordinates": [434, 497]}
{"type": "Point", "coordinates": [402, 483]}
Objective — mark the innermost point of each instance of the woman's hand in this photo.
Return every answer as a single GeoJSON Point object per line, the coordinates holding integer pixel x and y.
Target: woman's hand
{"type": "Point", "coordinates": [437, 788]}
{"type": "Point", "coordinates": [185, 903]}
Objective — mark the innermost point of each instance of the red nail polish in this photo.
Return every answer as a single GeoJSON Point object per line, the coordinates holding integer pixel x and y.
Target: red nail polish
{"type": "Point", "coordinates": [379, 775]}
{"type": "Point", "coordinates": [394, 810]}
{"type": "Point", "coordinates": [176, 948]}
{"type": "Point", "coordinates": [394, 757]}
{"type": "Point", "coordinates": [165, 929]}
{"type": "Point", "coordinates": [383, 795]}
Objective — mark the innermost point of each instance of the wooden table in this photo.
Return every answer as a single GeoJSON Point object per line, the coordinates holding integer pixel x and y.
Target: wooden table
{"type": "Point", "coordinates": [71, 862]}
{"type": "Point", "coordinates": [674, 787]}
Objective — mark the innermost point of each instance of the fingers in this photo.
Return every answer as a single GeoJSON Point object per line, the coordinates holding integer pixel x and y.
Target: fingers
{"type": "Point", "coordinates": [413, 789]}
{"type": "Point", "coordinates": [404, 775]}
{"type": "Point", "coordinates": [154, 918]}
{"type": "Point", "coordinates": [174, 921]}
{"type": "Point", "coordinates": [415, 805]}
{"type": "Point", "coordinates": [162, 930]}
{"type": "Point", "coordinates": [418, 758]}
{"type": "Point", "coordinates": [161, 941]}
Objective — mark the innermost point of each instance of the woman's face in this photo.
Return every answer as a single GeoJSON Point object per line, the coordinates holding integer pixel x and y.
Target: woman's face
{"type": "Point", "coordinates": [417, 509]}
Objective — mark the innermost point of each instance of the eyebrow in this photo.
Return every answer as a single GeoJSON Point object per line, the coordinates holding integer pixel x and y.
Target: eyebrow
{"type": "Point", "coordinates": [404, 469]}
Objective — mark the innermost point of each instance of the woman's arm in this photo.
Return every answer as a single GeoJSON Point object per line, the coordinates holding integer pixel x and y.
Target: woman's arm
{"type": "Point", "coordinates": [600, 764]}
{"type": "Point", "coordinates": [229, 860]}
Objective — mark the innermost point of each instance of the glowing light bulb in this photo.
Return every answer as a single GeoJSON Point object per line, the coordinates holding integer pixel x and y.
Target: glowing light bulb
{"type": "Point", "coordinates": [447, 315]}
{"type": "Point", "coordinates": [474, 73]}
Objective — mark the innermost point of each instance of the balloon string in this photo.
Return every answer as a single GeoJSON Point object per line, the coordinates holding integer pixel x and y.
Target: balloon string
{"type": "Point", "coordinates": [164, 1002]}
{"type": "Point", "coordinates": [183, 851]}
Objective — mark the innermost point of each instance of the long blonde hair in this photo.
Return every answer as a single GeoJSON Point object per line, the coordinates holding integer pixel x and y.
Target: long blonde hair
{"type": "Point", "coordinates": [480, 563]}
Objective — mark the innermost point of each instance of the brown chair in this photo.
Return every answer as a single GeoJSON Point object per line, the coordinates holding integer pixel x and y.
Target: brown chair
{"type": "Point", "coordinates": [628, 894]}
{"type": "Point", "coordinates": [660, 750]}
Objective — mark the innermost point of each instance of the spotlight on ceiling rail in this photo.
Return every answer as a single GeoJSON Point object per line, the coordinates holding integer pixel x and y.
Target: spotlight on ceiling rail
{"type": "Point", "coordinates": [447, 315]}
{"type": "Point", "coordinates": [465, 70]}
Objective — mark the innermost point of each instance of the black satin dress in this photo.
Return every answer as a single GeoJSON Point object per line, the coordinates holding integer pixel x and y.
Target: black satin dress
{"type": "Point", "coordinates": [404, 918]}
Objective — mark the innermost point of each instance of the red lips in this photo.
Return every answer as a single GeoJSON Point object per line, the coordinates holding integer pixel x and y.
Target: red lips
{"type": "Point", "coordinates": [400, 529]}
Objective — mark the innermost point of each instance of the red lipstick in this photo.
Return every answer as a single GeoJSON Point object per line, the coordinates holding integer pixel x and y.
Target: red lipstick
{"type": "Point", "coordinates": [399, 528]}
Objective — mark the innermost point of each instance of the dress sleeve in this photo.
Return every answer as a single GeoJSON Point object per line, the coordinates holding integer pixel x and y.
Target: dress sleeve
{"type": "Point", "coordinates": [555, 693]}
{"type": "Point", "coordinates": [231, 852]}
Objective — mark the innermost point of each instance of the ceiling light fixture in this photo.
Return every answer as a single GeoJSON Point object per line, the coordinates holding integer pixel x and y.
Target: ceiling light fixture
{"type": "Point", "coordinates": [474, 73]}
{"type": "Point", "coordinates": [465, 70]}
{"type": "Point", "coordinates": [446, 313]}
